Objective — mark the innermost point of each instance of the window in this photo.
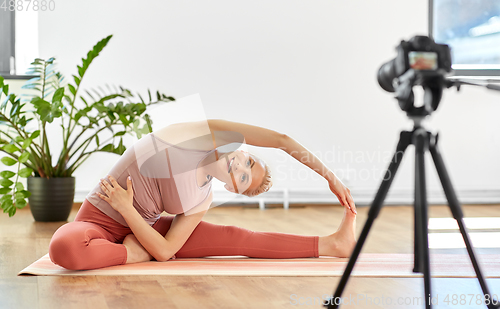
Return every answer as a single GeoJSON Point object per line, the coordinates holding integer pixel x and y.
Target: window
{"type": "Point", "coordinates": [472, 29]}
{"type": "Point", "coordinates": [18, 42]}
{"type": "Point", "coordinates": [7, 42]}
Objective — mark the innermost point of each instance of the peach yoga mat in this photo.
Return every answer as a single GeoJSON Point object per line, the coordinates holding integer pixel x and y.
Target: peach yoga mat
{"type": "Point", "coordinates": [368, 265]}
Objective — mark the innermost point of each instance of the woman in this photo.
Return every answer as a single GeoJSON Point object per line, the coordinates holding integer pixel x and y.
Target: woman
{"type": "Point", "coordinates": [171, 170]}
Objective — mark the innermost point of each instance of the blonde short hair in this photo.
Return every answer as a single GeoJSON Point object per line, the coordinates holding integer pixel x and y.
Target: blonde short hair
{"type": "Point", "coordinates": [266, 184]}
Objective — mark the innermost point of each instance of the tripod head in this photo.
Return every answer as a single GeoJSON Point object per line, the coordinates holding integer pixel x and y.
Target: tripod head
{"type": "Point", "coordinates": [431, 82]}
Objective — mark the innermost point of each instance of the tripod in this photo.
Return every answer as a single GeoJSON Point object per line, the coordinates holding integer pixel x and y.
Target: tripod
{"type": "Point", "coordinates": [423, 141]}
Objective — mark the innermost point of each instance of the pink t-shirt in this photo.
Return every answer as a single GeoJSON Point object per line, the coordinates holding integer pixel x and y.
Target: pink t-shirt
{"type": "Point", "coordinates": [163, 179]}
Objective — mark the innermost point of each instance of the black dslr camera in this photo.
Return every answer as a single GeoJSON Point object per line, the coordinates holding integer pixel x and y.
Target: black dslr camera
{"type": "Point", "coordinates": [420, 61]}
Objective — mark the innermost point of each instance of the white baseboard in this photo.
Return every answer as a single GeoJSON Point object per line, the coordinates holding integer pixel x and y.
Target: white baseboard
{"type": "Point", "coordinates": [361, 197]}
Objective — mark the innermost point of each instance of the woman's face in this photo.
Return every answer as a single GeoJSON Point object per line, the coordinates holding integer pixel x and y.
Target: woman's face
{"type": "Point", "coordinates": [243, 171]}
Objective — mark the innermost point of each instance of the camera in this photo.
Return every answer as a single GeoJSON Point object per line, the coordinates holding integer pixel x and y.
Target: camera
{"type": "Point", "coordinates": [421, 54]}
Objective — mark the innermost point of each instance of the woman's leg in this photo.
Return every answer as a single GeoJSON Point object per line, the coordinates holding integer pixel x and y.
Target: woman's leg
{"type": "Point", "coordinates": [92, 241]}
{"type": "Point", "coordinates": [82, 245]}
{"type": "Point", "coordinates": [217, 240]}
{"type": "Point", "coordinates": [214, 240]}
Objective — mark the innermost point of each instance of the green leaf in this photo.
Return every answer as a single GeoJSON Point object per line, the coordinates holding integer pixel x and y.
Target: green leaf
{"type": "Point", "coordinates": [25, 172]}
{"type": "Point", "coordinates": [100, 107]}
{"type": "Point", "coordinates": [12, 211]}
{"type": "Point", "coordinates": [78, 115]}
{"type": "Point", "coordinates": [7, 174]}
{"type": "Point", "coordinates": [46, 110]}
{"type": "Point", "coordinates": [111, 116]}
{"type": "Point", "coordinates": [121, 133]}
{"type": "Point", "coordinates": [93, 120]}
{"type": "Point", "coordinates": [5, 190]}
{"type": "Point", "coordinates": [19, 186]}
{"type": "Point", "coordinates": [77, 80]}
{"type": "Point", "coordinates": [23, 158]}
{"type": "Point", "coordinates": [145, 130]}
{"type": "Point", "coordinates": [97, 140]}
{"type": "Point", "coordinates": [120, 149]}
{"type": "Point", "coordinates": [140, 98]}
{"type": "Point", "coordinates": [149, 122]}
{"type": "Point", "coordinates": [25, 193]}
{"type": "Point", "coordinates": [15, 109]}
{"type": "Point", "coordinates": [92, 54]}
{"type": "Point", "coordinates": [72, 89]}
{"type": "Point", "coordinates": [136, 123]}
{"type": "Point", "coordinates": [84, 101]}
{"type": "Point", "coordinates": [27, 142]}
{"type": "Point", "coordinates": [35, 134]}
{"type": "Point", "coordinates": [20, 203]}
{"type": "Point", "coordinates": [81, 71]}
{"type": "Point", "coordinates": [124, 120]}
{"type": "Point", "coordinates": [56, 109]}
{"type": "Point", "coordinates": [10, 148]}
{"type": "Point", "coordinates": [6, 182]}
{"type": "Point", "coordinates": [58, 95]}
{"type": "Point", "coordinates": [8, 161]}
{"type": "Point", "coordinates": [18, 195]}
{"type": "Point", "coordinates": [7, 206]}
{"type": "Point", "coordinates": [42, 107]}
{"type": "Point", "coordinates": [108, 148]}
{"type": "Point", "coordinates": [22, 121]}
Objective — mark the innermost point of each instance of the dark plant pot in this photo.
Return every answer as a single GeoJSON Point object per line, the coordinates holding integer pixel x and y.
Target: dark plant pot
{"type": "Point", "coordinates": [51, 199]}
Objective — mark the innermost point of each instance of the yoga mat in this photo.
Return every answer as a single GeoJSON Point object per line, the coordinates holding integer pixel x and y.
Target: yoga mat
{"type": "Point", "coordinates": [368, 265]}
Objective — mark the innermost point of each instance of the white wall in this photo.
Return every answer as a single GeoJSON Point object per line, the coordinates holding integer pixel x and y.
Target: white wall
{"type": "Point", "coordinates": [305, 68]}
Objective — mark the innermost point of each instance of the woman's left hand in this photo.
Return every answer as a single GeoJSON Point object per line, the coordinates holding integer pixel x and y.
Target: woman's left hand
{"type": "Point", "coordinates": [343, 194]}
{"type": "Point", "coordinates": [119, 198]}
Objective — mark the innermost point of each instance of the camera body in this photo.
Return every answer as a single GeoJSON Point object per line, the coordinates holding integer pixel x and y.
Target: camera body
{"type": "Point", "coordinates": [421, 54]}
{"type": "Point", "coordinates": [420, 61]}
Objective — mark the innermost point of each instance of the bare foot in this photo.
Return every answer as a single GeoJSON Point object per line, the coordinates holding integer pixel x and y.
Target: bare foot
{"type": "Point", "coordinates": [342, 242]}
{"type": "Point", "coordinates": [135, 251]}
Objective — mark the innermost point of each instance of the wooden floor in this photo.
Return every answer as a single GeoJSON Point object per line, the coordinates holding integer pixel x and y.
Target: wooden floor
{"type": "Point", "coordinates": [22, 241]}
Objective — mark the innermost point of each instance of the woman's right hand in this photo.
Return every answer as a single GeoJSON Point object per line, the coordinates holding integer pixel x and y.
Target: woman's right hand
{"type": "Point", "coordinates": [120, 199]}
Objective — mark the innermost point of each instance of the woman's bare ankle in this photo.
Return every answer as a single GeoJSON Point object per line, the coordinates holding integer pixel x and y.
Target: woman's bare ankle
{"type": "Point", "coordinates": [342, 242]}
{"type": "Point", "coordinates": [135, 252]}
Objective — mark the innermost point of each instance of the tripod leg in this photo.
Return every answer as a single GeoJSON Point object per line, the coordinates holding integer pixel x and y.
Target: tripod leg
{"type": "Point", "coordinates": [417, 265]}
{"type": "Point", "coordinates": [421, 219]}
{"type": "Point", "coordinates": [456, 210]}
{"type": "Point", "coordinates": [403, 143]}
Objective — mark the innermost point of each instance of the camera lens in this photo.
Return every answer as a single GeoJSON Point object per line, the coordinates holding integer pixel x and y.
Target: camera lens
{"type": "Point", "coordinates": [386, 75]}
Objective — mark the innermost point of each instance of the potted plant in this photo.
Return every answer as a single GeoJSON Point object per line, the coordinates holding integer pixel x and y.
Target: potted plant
{"type": "Point", "coordinates": [51, 186]}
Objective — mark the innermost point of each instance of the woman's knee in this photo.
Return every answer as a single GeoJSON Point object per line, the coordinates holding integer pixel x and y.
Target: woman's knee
{"type": "Point", "coordinates": [64, 248]}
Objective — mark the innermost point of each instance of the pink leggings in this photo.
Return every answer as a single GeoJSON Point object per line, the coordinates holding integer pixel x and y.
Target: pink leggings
{"type": "Point", "coordinates": [94, 240]}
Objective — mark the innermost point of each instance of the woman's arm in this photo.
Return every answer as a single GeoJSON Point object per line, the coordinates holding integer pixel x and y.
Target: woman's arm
{"type": "Point", "coordinates": [301, 154]}
{"type": "Point", "coordinates": [161, 248]}
{"type": "Point", "coordinates": [262, 137]}
{"type": "Point", "coordinates": [253, 135]}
